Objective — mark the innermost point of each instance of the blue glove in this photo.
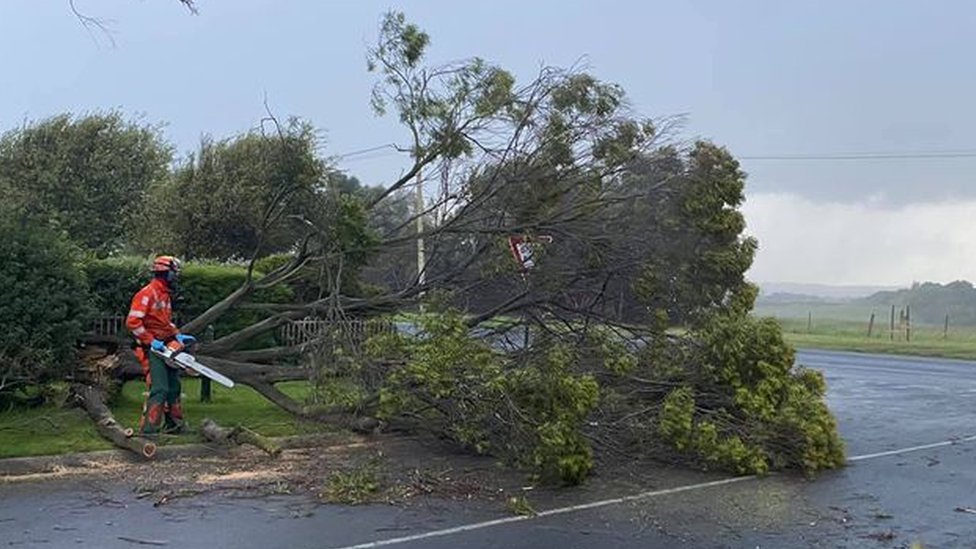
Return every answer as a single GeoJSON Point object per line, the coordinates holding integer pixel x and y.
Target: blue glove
{"type": "Point", "coordinates": [185, 340]}
{"type": "Point", "coordinates": [158, 345]}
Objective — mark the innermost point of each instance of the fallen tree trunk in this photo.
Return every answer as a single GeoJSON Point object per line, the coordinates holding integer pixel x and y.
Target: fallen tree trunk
{"type": "Point", "coordinates": [238, 435]}
{"type": "Point", "coordinates": [93, 401]}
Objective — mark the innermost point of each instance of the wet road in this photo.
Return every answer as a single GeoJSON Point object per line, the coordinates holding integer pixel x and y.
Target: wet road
{"type": "Point", "coordinates": [882, 404]}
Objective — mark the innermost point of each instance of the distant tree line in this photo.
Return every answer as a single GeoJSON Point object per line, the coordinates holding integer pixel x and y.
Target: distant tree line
{"type": "Point", "coordinates": [930, 302]}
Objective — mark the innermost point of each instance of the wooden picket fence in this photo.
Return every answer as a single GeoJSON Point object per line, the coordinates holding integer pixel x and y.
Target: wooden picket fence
{"type": "Point", "coordinates": [108, 326]}
{"type": "Point", "coordinates": [352, 334]}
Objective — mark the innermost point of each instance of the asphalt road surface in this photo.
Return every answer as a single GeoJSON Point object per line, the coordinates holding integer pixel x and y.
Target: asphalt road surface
{"type": "Point", "coordinates": [909, 424]}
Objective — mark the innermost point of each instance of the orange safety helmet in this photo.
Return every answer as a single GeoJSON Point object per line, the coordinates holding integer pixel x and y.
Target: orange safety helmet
{"type": "Point", "coordinates": [167, 264]}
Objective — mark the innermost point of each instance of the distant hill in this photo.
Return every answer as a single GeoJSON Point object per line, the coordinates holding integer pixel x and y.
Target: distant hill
{"type": "Point", "coordinates": [930, 302]}
{"type": "Point", "coordinates": [783, 297]}
{"type": "Point", "coordinates": [822, 291]}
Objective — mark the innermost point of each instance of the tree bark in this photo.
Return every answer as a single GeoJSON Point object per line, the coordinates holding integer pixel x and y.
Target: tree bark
{"type": "Point", "coordinates": [246, 289]}
{"type": "Point", "coordinates": [93, 401]}
{"type": "Point", "coordinates": [229, 342]}
{"type": "Point", "coordinates": [238, 435]}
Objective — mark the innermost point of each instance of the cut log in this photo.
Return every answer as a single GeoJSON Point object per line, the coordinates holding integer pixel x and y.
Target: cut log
{"type": "Point", "coordinates": [92, 400]}
{"type": "Point", "coordinates": [238, 435]}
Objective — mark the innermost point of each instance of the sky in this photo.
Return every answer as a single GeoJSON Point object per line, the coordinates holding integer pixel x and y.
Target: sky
{"type": "Point", "coordinates": [886, 85]}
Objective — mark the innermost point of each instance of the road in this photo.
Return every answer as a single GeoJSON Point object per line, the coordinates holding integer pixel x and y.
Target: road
{"type": "Point", "coordinates": [909, 425]}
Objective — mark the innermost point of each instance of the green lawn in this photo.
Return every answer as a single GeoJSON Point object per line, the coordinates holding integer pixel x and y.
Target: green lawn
{"type": "Point", "coordinates": [51, 430]}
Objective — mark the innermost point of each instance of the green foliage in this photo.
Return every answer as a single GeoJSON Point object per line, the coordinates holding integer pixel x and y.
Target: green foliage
{"type": "Point", "coordinates": [678, 426]}
{"type": "Point", "coordinates": [449, 377]}
{"type": "Point", "coordinates": [202, 285]}
{"type": "Point", "coordinates": [677, 422]}
{"type": "Point", "coordinates": [745, 407]}
{"type": "Point", "coordinates": [558, 401]}
{"type": "Point", "coordinates": [43, 299]}
{"type": "Point", "coordinates": [85, 175]}
{"type": "Point", "coordinates": [235, 197]}
{"type": "Point", "coordinates": [344, 242]}
{"type": "Point", "coordinates": [354, 487]}
{"type": "Point", "coordinates": [401, 39]}
{"type": "Point", "coordinates": [697, 262]}
{"type": "Point", "coordinates": [527, 410]}
{"type": "Point", "coordinates": [519, 505]}
{"type": "Point", "coordinates": [442, 107]}
{"type": "Point", "coordinates": [607, 348]}
{"type": "Point", "coordinates": [114, 281]}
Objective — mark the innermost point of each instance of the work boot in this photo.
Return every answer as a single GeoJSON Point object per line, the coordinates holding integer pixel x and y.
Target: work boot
{"type": "Point", "coordinates": [152, 420]}
{"type": "Point", "coordinates": [174, 419]}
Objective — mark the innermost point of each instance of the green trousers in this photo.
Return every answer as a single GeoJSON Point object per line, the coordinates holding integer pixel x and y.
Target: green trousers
{"type": "Point", "coordinates": [163, 410]}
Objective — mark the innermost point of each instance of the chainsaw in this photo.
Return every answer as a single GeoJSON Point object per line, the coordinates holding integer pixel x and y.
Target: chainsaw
{"type": "Point", "coordinates": [179, 358]}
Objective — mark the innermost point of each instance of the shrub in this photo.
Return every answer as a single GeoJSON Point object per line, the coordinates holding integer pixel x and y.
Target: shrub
{"type": "Point", "coordinates": [43, 299]}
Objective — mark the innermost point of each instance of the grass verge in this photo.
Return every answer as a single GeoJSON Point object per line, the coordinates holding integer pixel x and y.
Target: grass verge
{"type": "Point", "coordinates": [841, 335]}
{"type": "Point", "coordinates": [52, 429]}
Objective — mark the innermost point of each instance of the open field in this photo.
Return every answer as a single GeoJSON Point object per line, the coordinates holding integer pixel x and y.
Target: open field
{"type": "Point", "coordinates": [851, 312]}
{"type": "Point", "coordinates": [844, 326]}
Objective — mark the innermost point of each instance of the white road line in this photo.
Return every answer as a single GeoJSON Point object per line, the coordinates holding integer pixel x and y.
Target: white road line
{"type": "Point", "coordinates": [911, 449]}
{"type": "Point", "coordinates": [551, 512]}
{"type": "Point", "coordinates": [625, 499]}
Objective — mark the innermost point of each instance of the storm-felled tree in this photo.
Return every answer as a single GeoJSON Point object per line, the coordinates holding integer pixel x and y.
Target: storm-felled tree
{"type": "Point", "coordinates": [341, 241]}
{"type": "Point", "coordinates": [84, 175]}
{"type": "Point", "coordinates": [696, 262]}
{"type": "Point", "coordinates": [561, 163]}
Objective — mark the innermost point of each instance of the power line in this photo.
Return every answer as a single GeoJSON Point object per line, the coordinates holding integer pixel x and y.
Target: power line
{"type": "Point", "coordinates": [365, 151]}
{"type": "Point", "coordinates": [389, 149]}
{"type": "Point", "coordinates": [362, 157]}
{"type": "Point", "coordinates": [865, 156]}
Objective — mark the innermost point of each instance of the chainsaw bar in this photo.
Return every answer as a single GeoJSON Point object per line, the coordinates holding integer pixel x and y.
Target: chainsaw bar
{"type": "Point", "coordinates": [184, 360]}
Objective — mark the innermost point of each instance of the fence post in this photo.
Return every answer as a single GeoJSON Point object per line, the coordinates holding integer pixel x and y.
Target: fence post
{"type": "Point", "coordinates": [891, 330]}
{"type": "Point", "coordinates": [945, 330]}
{"type": "Point", "coordinates": [206, 390]}
{"type": "Point", "coordinates": [908, 322]}
{"type": "Point", "coordinates": [871, 325]}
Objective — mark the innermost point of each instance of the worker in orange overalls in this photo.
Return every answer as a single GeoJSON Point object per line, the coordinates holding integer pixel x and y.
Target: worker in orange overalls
{"type": "Point", "coordinates": [150, 321]}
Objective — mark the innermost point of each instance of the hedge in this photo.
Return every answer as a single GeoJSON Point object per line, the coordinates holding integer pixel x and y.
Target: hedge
{"type": "Point", "coordinates": [42, 303]}
{"type": "Point", "coordinates": [114, 281]}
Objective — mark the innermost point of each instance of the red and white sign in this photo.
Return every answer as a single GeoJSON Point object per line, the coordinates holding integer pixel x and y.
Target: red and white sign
{"type": "Point", "coordinates": [523, 249]}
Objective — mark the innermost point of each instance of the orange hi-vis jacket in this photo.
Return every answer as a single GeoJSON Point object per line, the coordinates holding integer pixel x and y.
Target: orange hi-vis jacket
{"type": "Point", "coordinates": [151, 314]}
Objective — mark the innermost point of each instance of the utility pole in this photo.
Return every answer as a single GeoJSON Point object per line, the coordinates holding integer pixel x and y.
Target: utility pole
{"type": "Point", "coordinates": [421, 258]}
{"type": "Point", "coordinates": [442, 210]}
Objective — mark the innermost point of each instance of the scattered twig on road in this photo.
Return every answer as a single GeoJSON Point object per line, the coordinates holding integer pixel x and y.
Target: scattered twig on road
{"type": "Point", "coordinates": [143, 541]}
{"type": "Point", "coordinates": [881, 536]}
